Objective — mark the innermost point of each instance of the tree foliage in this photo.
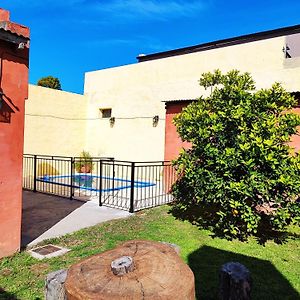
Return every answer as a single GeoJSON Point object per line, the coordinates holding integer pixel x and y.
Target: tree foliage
{"type": "Point", "coordinates": [85, 160]}
{"type": "Point", "coordinates": [50, 82]}
{"type": "Point", "coordinates": [240, 177]}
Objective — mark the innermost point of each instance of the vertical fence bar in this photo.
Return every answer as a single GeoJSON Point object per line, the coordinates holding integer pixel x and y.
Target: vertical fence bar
{"type": "Point", "coordinates": [100, 184]}
{"type": "Point", "coordinates": [131, 209]}
{"type": "Point", "coordinates": [162, 173]}
{"type": "Point", "coordinates": [71, 179]}
{"type": "Point", "coordinates": [34, 173]}
{"type": "Point", "coordinates": [113, 181]}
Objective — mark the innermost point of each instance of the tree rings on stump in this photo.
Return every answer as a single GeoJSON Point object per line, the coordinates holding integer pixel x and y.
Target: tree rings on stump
{"type": "Point", "coordinates": [155, 271]}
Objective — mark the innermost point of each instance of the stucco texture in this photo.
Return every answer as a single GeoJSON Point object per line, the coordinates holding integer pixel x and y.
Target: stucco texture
{"type": "Point", "coordinates": [55, 122]}
{"type": "Point", "coordinates": [13, 87]}
{"type": "Point", "coordinates": [137, 90]}
{"type": "Point", "coordinates": [135, 93]}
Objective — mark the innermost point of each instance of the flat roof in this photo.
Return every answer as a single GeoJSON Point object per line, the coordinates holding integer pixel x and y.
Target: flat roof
{"type": "Point", "coordinates": [179, 100]}
{"type": "Point", "coordinates": [223, 43]}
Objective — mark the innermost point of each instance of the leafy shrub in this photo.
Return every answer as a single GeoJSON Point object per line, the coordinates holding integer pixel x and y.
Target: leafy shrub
{"type": "Point", "coordinates": [84, 163]}
{"type": "Point", "coordinates": [239, 178]}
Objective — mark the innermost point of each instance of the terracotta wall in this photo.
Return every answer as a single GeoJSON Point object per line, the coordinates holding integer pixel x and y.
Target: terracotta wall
{"type": "Point", "coordinates": [14, 86]}
{"type": "Point", "coordinates": [295, 139]}
{"type": "Point", "coordinates": [173, 143]}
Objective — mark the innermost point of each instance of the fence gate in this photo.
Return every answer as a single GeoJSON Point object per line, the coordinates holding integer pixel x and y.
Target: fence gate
{"type": "Point", "coordinates": [135, 185]}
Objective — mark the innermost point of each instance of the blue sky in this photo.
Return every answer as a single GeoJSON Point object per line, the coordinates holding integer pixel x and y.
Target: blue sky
{"type": "Point", "coordinates": [71, 37]}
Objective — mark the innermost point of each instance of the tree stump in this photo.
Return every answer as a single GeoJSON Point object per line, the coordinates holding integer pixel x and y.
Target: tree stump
{"type": "Point", "coordinates": [174, 246]}
{"type": "Point", "coordinates": [122, 265]}
{"type": "Point", "coordinates": [54, 287]}
{"type": "Point", "coordinates": [134, 270]}
{"type": "Point", "coordinates": [235, 282]}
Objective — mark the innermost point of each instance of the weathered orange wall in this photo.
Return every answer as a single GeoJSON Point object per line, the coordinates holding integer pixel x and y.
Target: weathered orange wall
{"type": "Point", "coordinates": [14, 85]}
{"type": "Point", "coordinates": [173, 143]}
{"type": "Point", "coordinates": [295, 139]}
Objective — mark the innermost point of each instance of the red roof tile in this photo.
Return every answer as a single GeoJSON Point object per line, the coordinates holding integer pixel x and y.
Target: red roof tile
{"type": "Point", "coordinates": [14, 28]}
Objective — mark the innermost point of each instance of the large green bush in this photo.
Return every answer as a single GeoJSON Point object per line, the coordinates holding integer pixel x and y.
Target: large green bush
{"type": "Point", "coordinates": [240, 177]}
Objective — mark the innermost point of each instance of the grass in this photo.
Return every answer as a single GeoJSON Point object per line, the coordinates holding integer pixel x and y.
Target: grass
{"type": "Point", "coordinates": [275, 268]}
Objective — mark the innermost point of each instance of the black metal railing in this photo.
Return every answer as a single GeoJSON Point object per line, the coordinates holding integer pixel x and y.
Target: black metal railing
{"type": "Point", "coordinates": [122, 184]}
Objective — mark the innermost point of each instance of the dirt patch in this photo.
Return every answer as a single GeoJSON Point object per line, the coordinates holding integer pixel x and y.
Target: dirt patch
{"type": "Point", "coordinates": [39, 269]}
{"type": "Point", "coordinates": [6, 272]}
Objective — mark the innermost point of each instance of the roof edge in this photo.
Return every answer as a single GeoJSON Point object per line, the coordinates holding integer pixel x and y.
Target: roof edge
{"type": "Point", "coordinates": [180, 100]}
{"type": "Point", "coordinates": [223, 43]}
{"type": "Point", "coordinates": [13, 38]}
{"type": "Point", "coordinates": [14, 28]}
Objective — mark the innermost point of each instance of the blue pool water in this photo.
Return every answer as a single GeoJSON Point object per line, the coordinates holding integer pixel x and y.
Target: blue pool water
{"type": "Point", "coordinates": [92, 182]}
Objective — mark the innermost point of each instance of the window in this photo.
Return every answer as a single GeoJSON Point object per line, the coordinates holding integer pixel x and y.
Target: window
{"type": "Point", "coordinates": [105, 113]}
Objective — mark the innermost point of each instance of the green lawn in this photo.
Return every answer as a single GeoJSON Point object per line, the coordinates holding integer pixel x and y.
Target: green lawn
{"type": "Point", "coordinates": [275, 268]}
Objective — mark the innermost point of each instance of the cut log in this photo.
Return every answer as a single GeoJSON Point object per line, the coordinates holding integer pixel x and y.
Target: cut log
{"type": "Point", "coordinates": [54, 286]}
{"type": "Point", "coordinates": [155, 272]}
{"type": "Point", "coordinates": [235, 282]}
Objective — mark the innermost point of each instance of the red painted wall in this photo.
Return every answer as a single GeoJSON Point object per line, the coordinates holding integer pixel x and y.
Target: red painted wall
{"type": "Point", "coordinates": [173, 143]}
{"type": "Point", "coordinates": [295, 139]}
{"type": "Point", "coordinates": [14, 86]}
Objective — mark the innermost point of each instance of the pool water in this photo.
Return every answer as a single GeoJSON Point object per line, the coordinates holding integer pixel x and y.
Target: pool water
{"type": "Point", "coordinates": [84, 180]}
{"type": "Point", "coordinates": [92, 182]}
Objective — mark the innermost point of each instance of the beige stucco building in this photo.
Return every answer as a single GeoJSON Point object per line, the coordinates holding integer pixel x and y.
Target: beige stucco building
{"type": "Point", "coordinates": [55, 122]}
{"type": "Point", "coordinates": [122, 114]}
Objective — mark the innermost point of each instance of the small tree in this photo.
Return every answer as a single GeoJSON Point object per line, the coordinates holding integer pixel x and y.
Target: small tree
{"type": "Point", "coordinates": [239, 178]}
{"type": "Point", "coordinates": [84, 163]}
{"type": "Point", "coordinates": [50, 82]}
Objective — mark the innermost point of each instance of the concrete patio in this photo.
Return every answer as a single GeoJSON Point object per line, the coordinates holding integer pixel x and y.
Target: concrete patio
{"type": "Point", "coordinates": [47, 216]}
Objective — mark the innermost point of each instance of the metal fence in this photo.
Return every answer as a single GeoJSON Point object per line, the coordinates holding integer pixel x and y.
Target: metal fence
{"type": "Point", "coordinates": [127, 185]}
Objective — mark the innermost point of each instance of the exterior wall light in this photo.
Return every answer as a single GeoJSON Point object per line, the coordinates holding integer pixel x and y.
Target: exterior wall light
{"type": "Point", "coordinates": [21, 46]}
{"type": "Point", "coordinates": [155, 121]}
{"type": "Point", "coordinates": [112, 121]}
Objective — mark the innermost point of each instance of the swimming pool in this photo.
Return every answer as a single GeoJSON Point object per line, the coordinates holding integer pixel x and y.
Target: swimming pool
{"type": "Point", "coordinates": [92, 182]}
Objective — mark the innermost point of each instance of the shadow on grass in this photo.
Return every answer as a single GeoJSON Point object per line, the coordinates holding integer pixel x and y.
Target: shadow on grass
{"type": "Point", "coordinates": [204, 219]}
{"type": "Point", "coordinates": [268, 282]}
{"type": "Point", "coordinates": [6, 295]}
{"type": "Point", "coordinates": [279, 238]}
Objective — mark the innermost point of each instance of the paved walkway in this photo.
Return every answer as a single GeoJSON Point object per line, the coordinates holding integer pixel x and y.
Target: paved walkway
{"type": "Point", "coordinates": [46, 216]}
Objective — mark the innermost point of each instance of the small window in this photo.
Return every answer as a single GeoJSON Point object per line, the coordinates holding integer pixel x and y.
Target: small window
{"type": "Point", "coordinates": [105, 113]}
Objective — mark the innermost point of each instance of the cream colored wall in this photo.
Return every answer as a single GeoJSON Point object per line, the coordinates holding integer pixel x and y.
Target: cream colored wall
{"type": "Point", "coordinates": [61, 123]}
{"type": "Point", "coordinates": [134, 103]}
{"type": "Point", "coordinates": [137, 91]}
{"type": "Point", "coordinates": [55, 122]}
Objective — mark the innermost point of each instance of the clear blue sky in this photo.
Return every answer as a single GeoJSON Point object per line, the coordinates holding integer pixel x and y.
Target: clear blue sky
{"type": "Point", "coordinates": [71, 37]}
